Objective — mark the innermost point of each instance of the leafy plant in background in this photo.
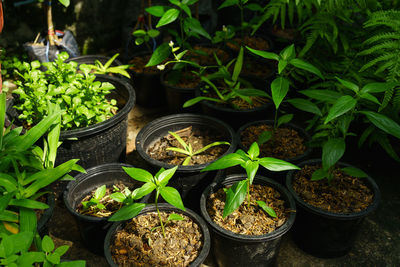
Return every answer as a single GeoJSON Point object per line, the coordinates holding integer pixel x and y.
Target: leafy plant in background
{"type": "Point", "coordinates": [82, 99]}
{"type": "Point", "coordinates": [157, 182]}
{"type": "Point", "coordinates": [341, 108]}
{"type": "Point", "coordinates": [236, 194]}
{"type": "Point", "coordinates": [232, 85]}
{"type": "Point", "coordinates": [188, 150]}
{"type": "Point", "coordinates": [144, 37]}
{"type": "Point", "coordinates": [99, 68]}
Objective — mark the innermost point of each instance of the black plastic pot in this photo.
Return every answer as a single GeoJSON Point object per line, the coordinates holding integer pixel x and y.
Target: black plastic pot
{"type": "Point", "coordinates": [149, 91]}
{"type": "Point", "coordinates": [279, 176]}
{"type": "Point", "coordinates": [166, 208]}
{"type": "Point", "coordinates": [103, 142]}
{"type": "Point", "coordinates": [187, 179]}
{"type": "Point", "coordinates": [42, 224]}
{"type": "Point", "coordinates": [232, 249]}
{"type": "Point", "coordinates": [93, 229]}
{"type": "Point", "coordinates": [325, 234]}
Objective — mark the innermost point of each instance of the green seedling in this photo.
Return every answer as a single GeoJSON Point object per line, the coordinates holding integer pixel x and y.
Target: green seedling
{"type": "Point", "coordinates": [99, 68]}
{"type": "Point", "coordinates": [95, 201]}
{"type": "Point", "coordinates": [188, 150]}
{"type": "Point", "coordinates": [236, 194]}
{"type": "Point", "coordinates": [158, 183]}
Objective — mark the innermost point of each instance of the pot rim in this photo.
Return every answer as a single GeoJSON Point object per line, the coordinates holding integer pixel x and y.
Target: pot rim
{"type": "Point", "coordinates": [331, 215]}
{"type": "Point", "coordinates": [169, 208]}
{"type": "Point", "coordinates": [290, 203]}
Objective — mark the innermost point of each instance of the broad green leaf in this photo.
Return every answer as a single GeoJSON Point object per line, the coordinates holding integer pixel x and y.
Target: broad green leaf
{"type": "Point", "coordinates": [264, 54]}
{"type": "Point", "coordinates": [270, 211]}
{"type": "Point", "coordinates": [159, 55]}
{"type": "Point", "coordinates": [153, 33]}
{"type": "Point", "coordinates": [61, 250]}
{"type": "Point", "coordinates": [264, 137]}
{"type": "Point", "coordinates": [370, 98]}
{"type": "Point", "coordinates": [225, 162]}
{"type": "Point", "coordinates": [156, 11]}
{"type": "Point", "coordinates": [305, 105]}
{"type": "Point", "coordinates": [8, 216]}
{"type": "Point", "coordinates": [31, 257]}
{"type": "Point", "coordinates": [288, 53]}
{"type": "Point", "coordinates": [349, 85]}
{"type": "Point", "coordinates": [166, 175]}
{"type": "Point", "coordinates": [355, 172]}
{"type": "Point", "coordinates": [5, 200]}
{"type": "Point", "coordinates": [179, 150]}
{"type": "Point", "coordinates": [228, 3]}
{"type": "Point", "coordinates": [100, 192]}
{"type": "Point", "coordinates": [168, 17]}
{"type": "Point", "coordinates": [284, 119]}
{"type": "Point", "coordinates": [47, 244]}
{"type": "Point", "coordinates": [180, 140]}
{"type": "Point", "coordinates": [235, 197]}
{"type": "Point", "coordinates": [276, 165]}
{"type": "Point", "coordinates": [139, 174]}
{"type": "Point", "coordinates": [251, 168]}
{"type": "Point", "coordinates": [279, 89]}
{"type": "Point", "coordinates": [251, 92]}
{"type": "Point", "coordinates": [282, 65]}
{"type": "Point", "coordinates": [342, 105]}
{"type": "Point", "coordinates": [194, 26]}
{"type": "Point", "coordinates": [175, 217]}
{"type": "Point", "coordinates": [139, 33]}
{"type": "Point", "coordinates": [218, 143]}
{"type": "Point", "coordinates": [8, 182]}
{"type": "Point", "coordinates": [16, 243]}
{"type": "Point", "coordinates": [144, 190]}
{"type": "Point", "coordinates": [172, 196]}
{"type": "Point", "coordinates": [127, 212]}
{"type": "Point", "coordinates": [319, 175]}
{"type": "Point", "coordinates": [238, 65]}
{"type": "Point", "coordinates": [332, 151]}
{"type": "Point", "coordinates": [328, 96]}
{"type": "Point", "coordinates": [118, 196]}
{"type": "Point", "coordinates": [27, 220]}
{"type": "Point", "coordinates": [64, 2]}
{"type": "Point", "coordinates": [384, 123]}
{"type": "Point", "coordinates": [78, 263]}
{"type": "Point", "coordinates": [254, 151]}
{"type": "Point", "coordinates": [28, 203]}
{"type": "Point", "coordinates": [298, 63]}
{"type": "Point", "coordinates": [378, 87]}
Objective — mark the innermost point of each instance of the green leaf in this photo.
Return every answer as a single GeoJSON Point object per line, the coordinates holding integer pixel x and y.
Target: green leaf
{"type": "Point", "coordinates": [264, 54]}
{"type": "Point", "coordinates": [384, 123]}
{"type": "Point", "coordinates": [204, 148]}
{"type": "Point", "coordinates": [342, 105]}
{"type": "Point", "coordinates": [279, 89]}
{"type": "Point", "coordinates": [288, 52]}
{"type": "Point", "coordinates": [61, 250]}
{"type": "Point", "coordinates": [159, 55]}
{"type": "Point", "coordinates": [282, 65]}
{"type": "Point", "coordinates": [254, 151]}
{"type": "Point", "coordinates": [5, 200]}
{"type": "Point", "coordinates": [27, 220]}
{"type": "Point", "coordinates": [152, 33]}
{"type": "Point", "coordinates": [100, 192]}
{"type": "Point", "coordinates": [225, 162]}
{"type": "Point", "coordinates": [8, 182]}
{"type": "Point", "coordinates": [64, 2]}
{"type": "Point", "coordinates": [31, 257]}
{"type": "Point", "coordinates": [264, 137]}
{"type": "Point", "coordinates": [127, 212]}
{"type": "Point", "coordinates": [370, 98]}
{"type": "Point", "coordinates": [284, 119]}
{"type": "Point", "coordinates": [2, 116]}
{"type": "Point", "coordinates": [305, 105]}
{"type": "Point", "coordinates": [175, 217]}
{"type": "Point", "coordinates": [118, 196]}
{"type": "Point", "coordinates": [172, 196]}
{"type": "Point", "coordinates": [355, 172]}
{"type": "Point", "coordinates": [251, 92]}
{"type": "Point", "coordinates": [139, 174]}
{"type": "Point", "coordinates": [180, 140]}
{"type": "Point", "coordinates": [156, 11]}
{"type": "Point", "coordinates": [328, 96]}
{"type": "Point", "coordinates": [276, 165]}
{"type": "Point", "coordinates": [235, 197]}
{"type": "Point", "coordinates": [238, 65]}
{"type": "Point", "coordinates": [28, 203]}
{"type": "Point", "coordinates": [298, 63]}
{"type": "Point", "coordinates": [47, 244]}
{"type": "Point", "coordinates": [228, 3]}
{"type": "Point", "coordinates": [332, 151]}
{"type": "Point", "coordinates": [195, 26]}
{"type": "Point", "coordinates": [251, 168]}
{"type": "Point", "coordinates": [349, 85]}
{"type": "Point", "coordinates": [195, 100]}
{"type": "Point", "coordinates": [378, 87]}
{"type": "Point", "coordinates": [78, 263]}
{"type": "Point", "coordinates": [168, 17]}
{"type": "Point", "coordinates": [164, 176]}
{"type": "Point", "coordinates": [144, 190]}
{"type": "Point", "coordinates": [319, 175]}
{"type": "Point", "coordinates": [270, 211]}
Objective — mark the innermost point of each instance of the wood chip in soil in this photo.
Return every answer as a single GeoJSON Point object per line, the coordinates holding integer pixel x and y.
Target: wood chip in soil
{"type": "Point", "coordinates": [198, 138]}
{"type": "Point", "coordinates": [345, 194]}
{"type": "Point", "coordinates": [249, 220]}
{"type": "Point", "coordinates": [285, 144]}
{"type": "Point", "coordinates": [139, 244]}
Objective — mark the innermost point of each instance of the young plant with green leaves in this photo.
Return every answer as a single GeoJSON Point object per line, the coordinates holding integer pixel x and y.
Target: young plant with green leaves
{"type": "Point", "coordinates": [227, 86]}
{"type": "Point", "coordinates": [94, 202]}
{"type": "Point", "coordinates": [107, 68]}
{"type": "Point", "coordinates": [81, 98]}
{"type": "Point", "coordinates": [158, 183]}
{"type": "Point", "coordinates": [144, 37]}
{"type": "Point", "coordinates": [250, 161]}
{"type": "Point", "coordinates": [287, 64]}
{"type": "Point", "coordinates": [340, 108]}
{"type": "Point", "coordinates": [187, 149]}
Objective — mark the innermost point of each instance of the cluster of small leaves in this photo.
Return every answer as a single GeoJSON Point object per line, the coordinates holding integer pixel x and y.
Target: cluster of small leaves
{"type": "Point", "coordinates": [107, 68]}
{"type": "Point", "coordinates": [188, 150]}
{"type": "Point", "coordinates": [10, 63]}
{"type": "Point", "coordinates": [143, 36]}
{"type": "Point", "coordinates": [236, 194]}
{"type": "Point", "coordinates": [82, 99]}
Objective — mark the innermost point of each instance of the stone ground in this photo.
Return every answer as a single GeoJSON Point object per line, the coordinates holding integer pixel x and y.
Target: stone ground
{"type": "Point", "coordinates": [378, 243]}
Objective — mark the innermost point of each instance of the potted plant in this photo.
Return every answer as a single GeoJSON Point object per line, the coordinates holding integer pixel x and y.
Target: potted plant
{"type": "Point", "coordinates": [155, 146]}
{"type": "Point", "coordinates": [346, 195]}
{"type": "Point", "coordinates": [143, 239]}
{"type": "Point", "coordinates": [247, 213]}
{"type": "Point", "coordinates": [95, 109]}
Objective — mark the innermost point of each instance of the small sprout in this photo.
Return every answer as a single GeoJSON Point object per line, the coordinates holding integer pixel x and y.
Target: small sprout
{"type": "Point", "coordinates": [161, 67]}
{"type": "Point", "coordinates": [171, 44]}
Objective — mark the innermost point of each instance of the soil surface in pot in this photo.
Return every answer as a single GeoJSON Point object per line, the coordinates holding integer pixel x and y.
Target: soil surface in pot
{"type": "Point", "coordinates": [237, 102]}
{"type": "Point", "coordinates": [204, 56]}
{"type": "Point", "coordinates": [141, 242]}
{"type": "Point", "coordinates": [345, 194]}
{"type": "Point", "coordinates": [110, 205]}
{"type": "Point", "coordinates": [285, 143]}
{"type": "Point", "coordinates": [184, 79]}
{"type": "Point", "coordinates": [254, 42]}
{"type": "Point", "coordinates": [197, 138]}
{"type": "Point", "coordinates": [138, 65]}
{"type": "Point", "coordinates": [249, 220]}
{"type": "Point", "coordinates": [254, 67]}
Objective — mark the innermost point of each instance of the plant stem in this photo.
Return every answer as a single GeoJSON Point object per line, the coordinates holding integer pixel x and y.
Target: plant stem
{"type": "Point", "coordinates": [248, 193]}
{"type": "Point", "coordinates": [158, 213]}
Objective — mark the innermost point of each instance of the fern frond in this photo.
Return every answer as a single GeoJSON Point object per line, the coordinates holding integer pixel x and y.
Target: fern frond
{"type": "Point", "coordinates": [382, 37]}
{"type": "Point", "coordinates": [311, 39]}
{"type": "Point", "coordinates": [379, 48]}
{"type": "Point", "coordinates": [386, 98]}
{"type": "Point", "coordinates": [396, 100]}
{"type": "Point", "coordinates": [384, 57]}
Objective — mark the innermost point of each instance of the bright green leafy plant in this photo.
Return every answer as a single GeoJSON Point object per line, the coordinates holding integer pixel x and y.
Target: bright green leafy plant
{"type": "Point", "coordinates": [236, 194]}
{"type": "Point", "coordinates": [82, 99]}
{"type": "Point", "coordinates": [144, 37]}
{"type": "Point", "coordinates": [99, 68]}
{"type": "Point", "coordinates": [158, 183]}
{"type": "Point", "coordinates": [188, 150]}
{"type": "Point", "coordinates": [94, 202]}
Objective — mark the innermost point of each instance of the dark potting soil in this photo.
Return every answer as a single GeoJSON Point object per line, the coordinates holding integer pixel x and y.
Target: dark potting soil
{"type": "Point", "coordinates": [345, 194]}
{"type": "Point", "coordinates": [139, 65]}
{"type": "Point", "coordinates": [253, 67]}
{"type": "Point", "coordinates": [110, 205]}
{"type": "Point", "coordinates": [237, 102]}
{"type": "Point", "coordinates": [286, 143]}
{"type": "Point", "coordinates": [184, 79]}
{"type": "Point", "coordinates": [249, 220]}
{"type": "Point", "coordinates": [204, 56]}
{"type": "Point", "coordinates": [141, 242]}
{"type": "Point", "coordinates": [254, 42]}
{"type": "Point", "coordinates": [198, 138]}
